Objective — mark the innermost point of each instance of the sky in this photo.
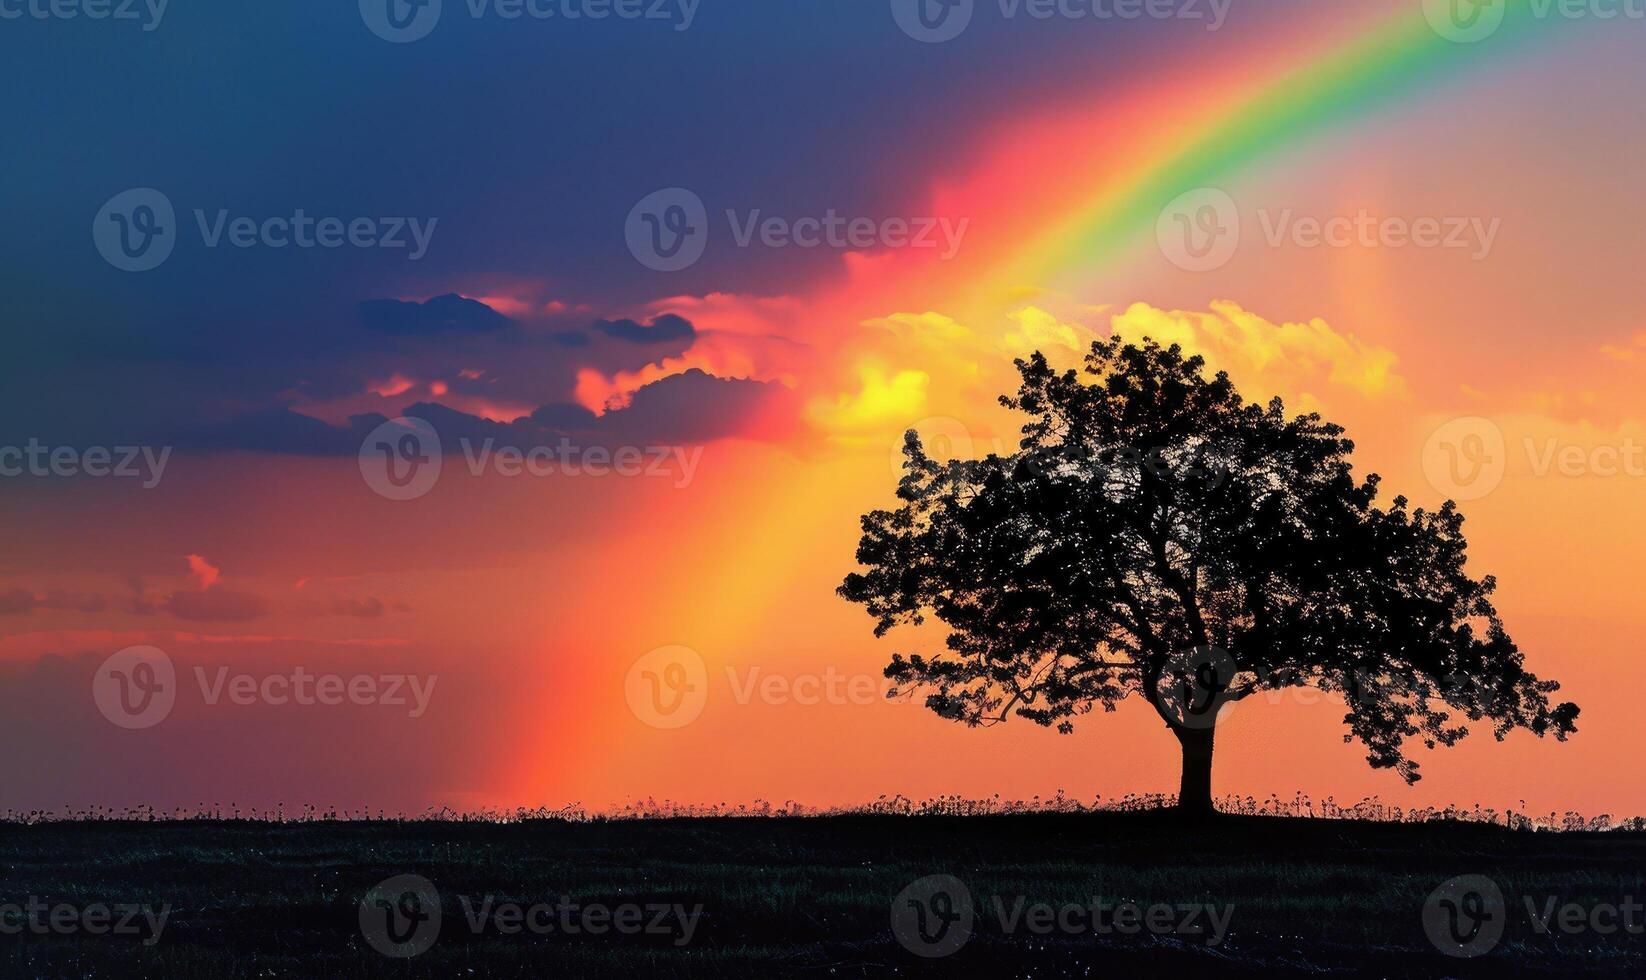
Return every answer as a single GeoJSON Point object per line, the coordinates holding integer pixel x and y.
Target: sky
{"type": "Point", "coordinates": [712, 259]}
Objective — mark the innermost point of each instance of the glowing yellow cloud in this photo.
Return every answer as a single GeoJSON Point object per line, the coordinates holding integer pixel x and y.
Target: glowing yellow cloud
{"type": "Point", "coordinates": [922, 326]}
{"type": "Point", "coordinates": [1261, 355]}
{"type": "Point", "coordinates": [1034, 329]}
{"type": "Point", "coordinates": [883, 398]}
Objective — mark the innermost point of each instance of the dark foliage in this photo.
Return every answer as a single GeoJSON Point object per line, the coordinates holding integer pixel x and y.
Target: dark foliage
{"type": "Point", "coordinates": [1151, 513]}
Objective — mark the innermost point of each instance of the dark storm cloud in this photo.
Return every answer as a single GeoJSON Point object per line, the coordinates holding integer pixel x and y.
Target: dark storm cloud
{"type": "Point", "coordinates": [450, 313]}
{"type": "Point", "coordinates": [565, 417]}
{"type": "Point", "coordinates": [683, 409]}
{"type": "Point", "coordinates": [694, 407]}
{"type": "Point", "coordinates": [688, 408]}
{"type": "Point", "coordinates": [214, 344]}
{"type": "Point", "coordinates": [527, 190]}
{"type": "Point", "coordinates": [666, 328]}
{"type": "Point", "coordinates": [281, 430]}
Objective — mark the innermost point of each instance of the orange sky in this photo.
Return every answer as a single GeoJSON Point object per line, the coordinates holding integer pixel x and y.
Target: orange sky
{"type": "Point", "coordinates": [531, 599]}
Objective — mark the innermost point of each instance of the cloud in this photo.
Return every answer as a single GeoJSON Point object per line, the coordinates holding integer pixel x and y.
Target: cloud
{"type": "Point", "coordinates": [882, 398]}
{"type": "Point", "coordinates": [73, 601]}
{"type": "Point", "coordinates": [1628, 352]}
{"type": "Point", "coordinates": [697, 407]}
{"type": "Point", "coordinates": [216, 604]}
{"type": "Point", "coordinates": [203, 572]}
{"type": "Point", "coordinates": [281, 430]}
{"type": "Point", "coordinates": [19, 601]}
{"type": "Point", "coordinates": [690, 407]}
{"type": "Point", "coordinates": [16, 601]}
{"type": "Point", "coordinates": [1033, 329]}
{"type": "Point", "coordinates": [450, 313]}
{"type": "Point", "coordinates": [365, 607]}
{"type": "Point", "coordinates": [665, 328]}
{"type": "Point", "coordinates": [1300, 358]}
{"type": "Point", "coordinates": [564, 416]}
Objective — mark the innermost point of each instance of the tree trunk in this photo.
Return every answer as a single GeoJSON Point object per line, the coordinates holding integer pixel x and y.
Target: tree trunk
{"type": "Point", "coordinates": [1194, 793]}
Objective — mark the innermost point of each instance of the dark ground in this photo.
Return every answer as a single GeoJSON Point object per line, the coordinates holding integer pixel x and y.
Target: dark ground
{"type": "Point", "coordinates": [809, 897]}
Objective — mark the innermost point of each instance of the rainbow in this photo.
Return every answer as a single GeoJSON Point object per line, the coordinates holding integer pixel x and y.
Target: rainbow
{"type": "Point", "coordinates": [1194, 140]}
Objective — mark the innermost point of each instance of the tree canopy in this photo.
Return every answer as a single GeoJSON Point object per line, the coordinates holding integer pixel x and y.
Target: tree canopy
{"type": "Point", "coordinates": [1156, 533]}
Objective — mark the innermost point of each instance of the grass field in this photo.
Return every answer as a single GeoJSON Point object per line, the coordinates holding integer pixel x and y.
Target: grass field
{"type": "Point", "coordinates": [808, 897]}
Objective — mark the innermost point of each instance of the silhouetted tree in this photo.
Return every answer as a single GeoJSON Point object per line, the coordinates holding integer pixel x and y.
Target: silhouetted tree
{"type": "Point", "coordinates": [1155, 535]}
